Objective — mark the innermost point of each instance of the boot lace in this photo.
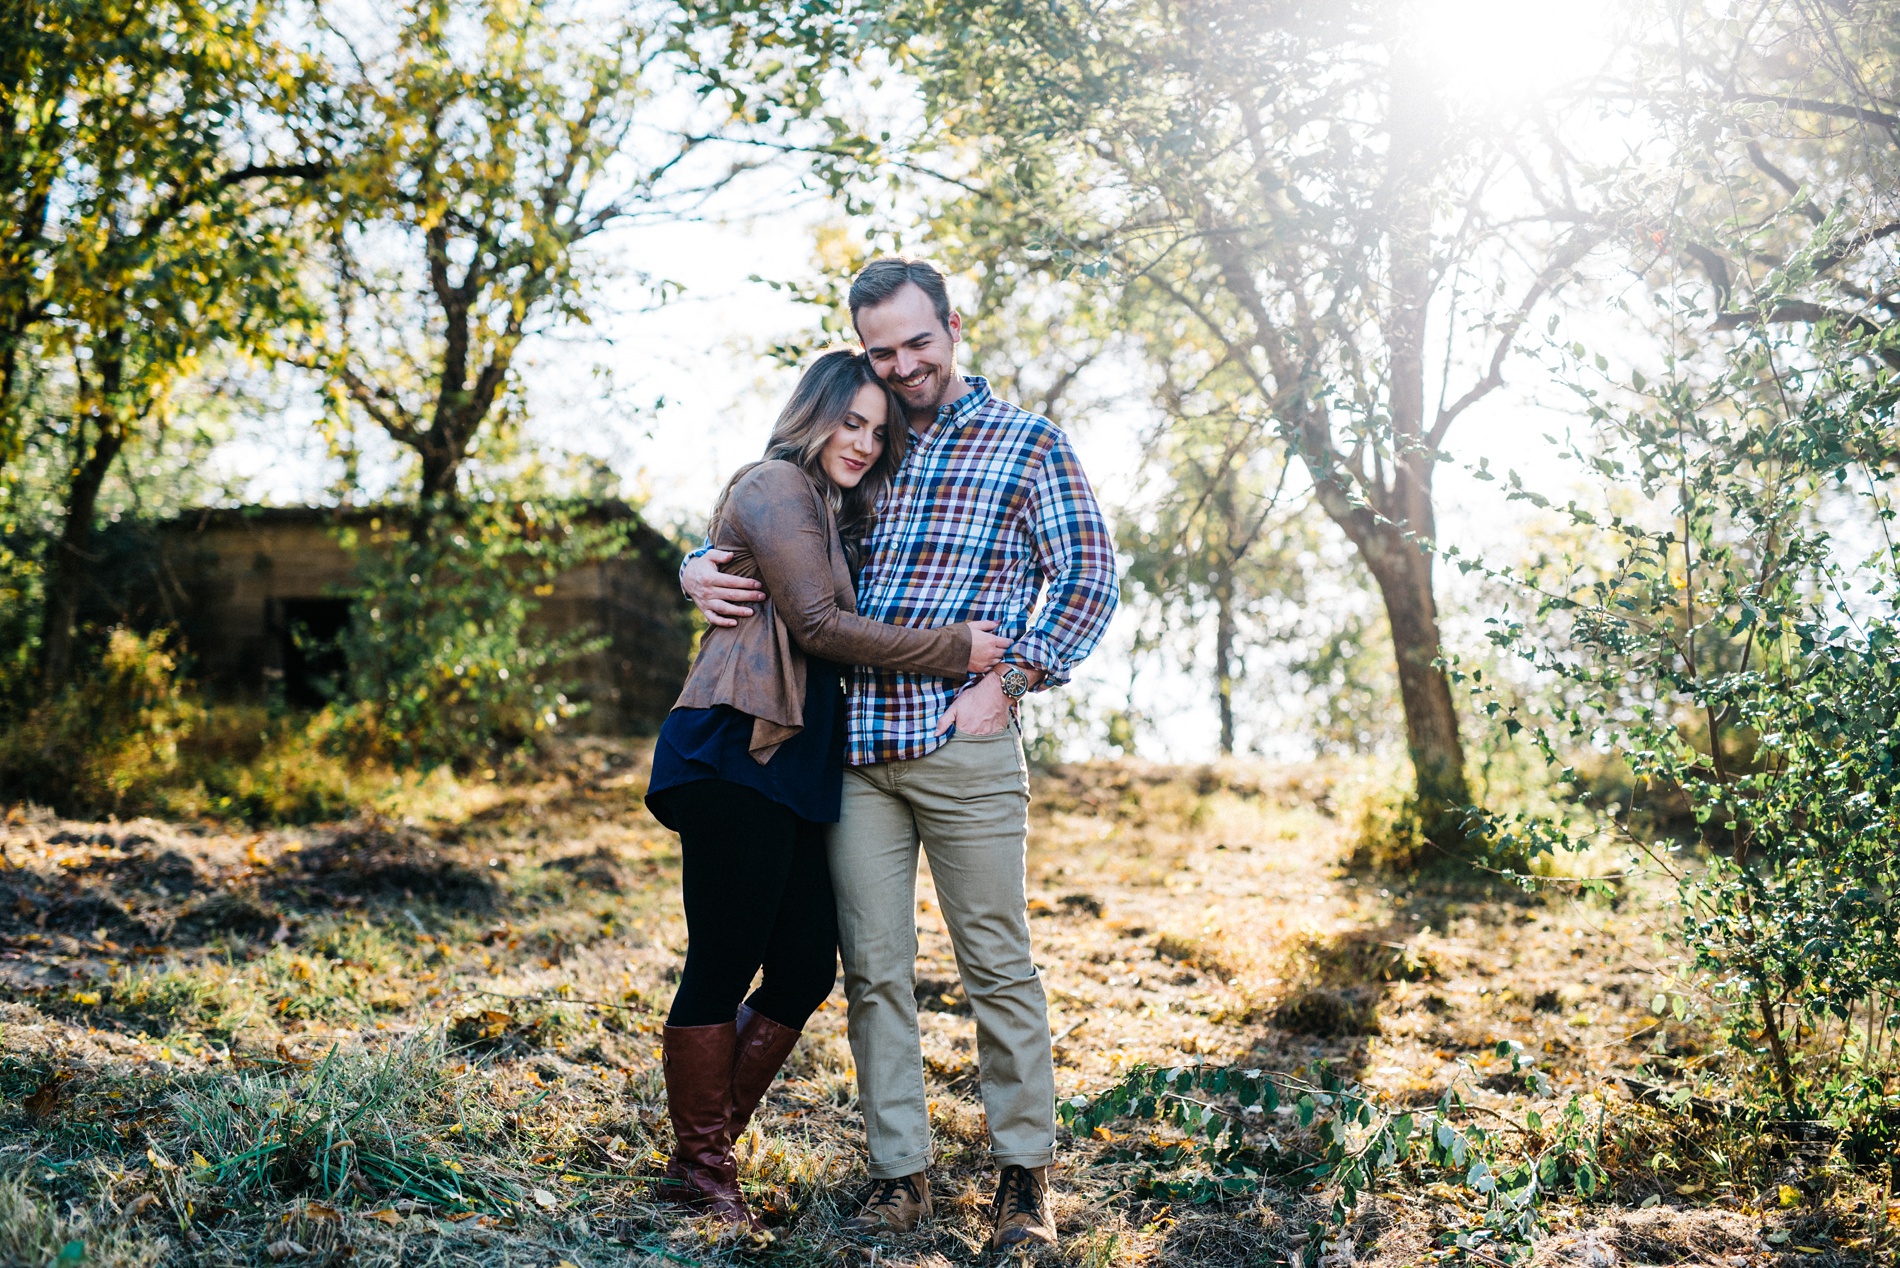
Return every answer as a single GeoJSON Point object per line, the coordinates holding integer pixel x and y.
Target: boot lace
{"type": "Point", "coordinates": [1018, 1194]}
{"type": "Point", "coordinates": [891, 1192]}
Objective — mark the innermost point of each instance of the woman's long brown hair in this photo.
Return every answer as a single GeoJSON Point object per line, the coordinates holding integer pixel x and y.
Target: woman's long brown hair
{"type": "Point", "coordinates": [817, 409]}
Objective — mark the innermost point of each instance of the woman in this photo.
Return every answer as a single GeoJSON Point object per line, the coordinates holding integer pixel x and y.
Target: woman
{"type": "Point", "coordinates": [750, 764]}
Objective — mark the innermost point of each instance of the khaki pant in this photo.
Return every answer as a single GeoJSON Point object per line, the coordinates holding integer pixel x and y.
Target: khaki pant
{"type": "Point", "coordinates": [968, 805]}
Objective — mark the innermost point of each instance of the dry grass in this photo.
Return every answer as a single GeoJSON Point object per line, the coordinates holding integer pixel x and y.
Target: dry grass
{"type": "Point", "coordinates": [194, 1017]}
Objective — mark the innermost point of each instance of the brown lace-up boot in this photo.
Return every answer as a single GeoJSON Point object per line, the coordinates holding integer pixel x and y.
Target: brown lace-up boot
{"type": "Point", "coordinates": [698, 1062]}
{"type": "Point", "coordinates": [763, 1047]}
{"type": "Point", "coordinates": [1020, 1213]}
{"type": "Point", "coordinates": [892, 1206]}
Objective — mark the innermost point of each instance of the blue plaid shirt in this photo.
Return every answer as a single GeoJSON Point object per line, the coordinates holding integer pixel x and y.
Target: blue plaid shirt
{"type": "Point", "coordinates": [989, 512]}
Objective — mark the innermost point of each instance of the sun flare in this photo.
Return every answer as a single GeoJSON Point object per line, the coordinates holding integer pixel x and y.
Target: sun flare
{"type": "Point", "coordinates": [1513, 48]}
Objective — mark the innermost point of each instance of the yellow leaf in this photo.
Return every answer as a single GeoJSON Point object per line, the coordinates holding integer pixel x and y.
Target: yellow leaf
{"type": "Point", "coordinates": [386, 1215]}
{"type": "Point", "coordinates": [1789, 1195]}
{"type": "Point", "coordinates": [199, 1161]}
{"type": "Point", "coordinates": [88, 998]}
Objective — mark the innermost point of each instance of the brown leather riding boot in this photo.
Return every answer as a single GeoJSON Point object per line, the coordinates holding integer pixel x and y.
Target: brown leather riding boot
{"type": "Point", "coordinates": [763, 1047]}
{"type": "Point", "coordinates": [698, 1063]}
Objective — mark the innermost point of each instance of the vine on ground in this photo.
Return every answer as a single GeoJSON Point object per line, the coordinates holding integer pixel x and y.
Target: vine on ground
{"type": "Point", "coordinates": [1230, 1149]}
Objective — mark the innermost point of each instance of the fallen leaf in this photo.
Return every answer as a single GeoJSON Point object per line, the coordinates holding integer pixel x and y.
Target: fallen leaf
{"type": "Point", "coordinates": [319, 1211]}
{"type": "Point", "coordinates": [44, 1102]}
{"type": "Point", "coordinates": [1789, 1196]}
{"type": "Point", "coordinates": [89, 998]}
{"type": "Point", "coordinates": [1688, 1190]}
{"type": "Point", "coordinates": [543, 1198]}
{"type": "Point", "coordinates": [284, 1248]}
{"type": "Point", "coordinates": [456, 1217]}
{"type": "Point", "coordinates": [386, 1215]}
{"type": "Point", "coordinates": [199, 1161]}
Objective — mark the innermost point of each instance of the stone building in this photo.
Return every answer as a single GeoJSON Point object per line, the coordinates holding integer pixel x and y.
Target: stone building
{"type": "Point", "coordinates": [259, 595]}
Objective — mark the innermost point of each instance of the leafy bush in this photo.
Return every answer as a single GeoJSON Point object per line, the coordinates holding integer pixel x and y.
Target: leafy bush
{"type": "Point", "coordinates": [1739, 657]}
{"type": "Point", "coordinates": [443, 667]}
{"type": "Point", "coordinates": [104, 741]}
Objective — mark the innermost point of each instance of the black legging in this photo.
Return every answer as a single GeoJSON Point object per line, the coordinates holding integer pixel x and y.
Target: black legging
{"type": "Point", "coordinates": [758, 895]}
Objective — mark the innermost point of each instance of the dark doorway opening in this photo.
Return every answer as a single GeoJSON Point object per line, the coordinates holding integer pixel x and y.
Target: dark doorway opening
{"type": "Point", "coordinates": [313, 661]}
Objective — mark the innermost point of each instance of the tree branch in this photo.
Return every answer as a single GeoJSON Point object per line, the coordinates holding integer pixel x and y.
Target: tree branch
{"type": "Point", "coordinates": [1562, 262]}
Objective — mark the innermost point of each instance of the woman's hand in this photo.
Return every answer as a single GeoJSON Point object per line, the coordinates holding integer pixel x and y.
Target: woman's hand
{"type": "Point", "coordinates": [986, 649]}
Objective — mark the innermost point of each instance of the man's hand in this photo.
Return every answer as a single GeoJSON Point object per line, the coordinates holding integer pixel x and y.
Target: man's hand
{"type": "Point", "coordinates": [979, 709]}
{"type": "Point", "coordinates": [720, 597]}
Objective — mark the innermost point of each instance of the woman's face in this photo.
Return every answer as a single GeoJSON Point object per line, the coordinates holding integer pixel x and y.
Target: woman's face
{"type": "Point", "coordinates": [858, 443]}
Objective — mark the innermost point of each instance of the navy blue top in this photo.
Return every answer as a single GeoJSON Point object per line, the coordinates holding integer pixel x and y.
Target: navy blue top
{"type": "Point", "coordinates": [805, 775]}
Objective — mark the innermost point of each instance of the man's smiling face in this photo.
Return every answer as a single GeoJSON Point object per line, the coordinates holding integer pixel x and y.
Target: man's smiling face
{"type": "Point", "coordinates": [911, 350]}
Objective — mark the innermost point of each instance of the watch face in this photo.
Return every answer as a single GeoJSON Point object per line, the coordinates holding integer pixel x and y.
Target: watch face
{"type": "Point", "coordinates": [1015, 683]}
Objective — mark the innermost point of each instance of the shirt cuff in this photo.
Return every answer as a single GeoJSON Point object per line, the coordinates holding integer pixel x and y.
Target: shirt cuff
{"type": "Point", "coordinates": [1035, 649]}
{"type": "Point", "coordinates": [691, 557]}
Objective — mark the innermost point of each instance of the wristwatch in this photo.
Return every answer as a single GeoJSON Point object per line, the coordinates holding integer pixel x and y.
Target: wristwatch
{"type": "Point", "coordinates": [1015, 682]}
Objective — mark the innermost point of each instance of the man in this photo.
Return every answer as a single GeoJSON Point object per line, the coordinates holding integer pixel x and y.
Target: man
{"type": "Point", "coordinates": [990, 509]}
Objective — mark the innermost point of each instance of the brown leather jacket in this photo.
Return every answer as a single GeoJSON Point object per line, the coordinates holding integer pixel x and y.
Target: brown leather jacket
{"type": "Point", "coordinates": [781, 530]}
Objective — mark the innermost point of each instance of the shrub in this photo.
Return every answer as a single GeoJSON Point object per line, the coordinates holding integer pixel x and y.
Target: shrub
{"type": "Point", "coordinates": [105, 741]}
{"type": "Point", "coordinates": [443, 667]}
{"type": "Point", "coordinates": [1740, 661]}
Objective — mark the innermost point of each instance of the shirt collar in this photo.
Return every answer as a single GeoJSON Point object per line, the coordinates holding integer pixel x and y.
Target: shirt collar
{"type": "Point", "coordinates": [964, 408]}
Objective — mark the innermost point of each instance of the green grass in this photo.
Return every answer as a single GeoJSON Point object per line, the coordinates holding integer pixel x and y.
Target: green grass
{"type": "Point", "coordinates": [37, 1229]}
{"type": "Point", "coordinates": [385, 1126]}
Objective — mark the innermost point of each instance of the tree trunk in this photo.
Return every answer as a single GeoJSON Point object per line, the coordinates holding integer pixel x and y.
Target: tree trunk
{"type": "Point", "coordinates": [1224, 657]}
{"type": "Point", "coordinates": [1404, 576]}
{"type": "Point", "coordinates": [72, 555]}
{"type": "Point", "coordinates": [441, 462]}
{"type": "Point", "coordinates": [439, 466]}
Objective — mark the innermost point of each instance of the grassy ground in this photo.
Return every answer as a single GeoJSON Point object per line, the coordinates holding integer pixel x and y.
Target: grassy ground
{"type": "Point", "coordinates": [435, 1041]}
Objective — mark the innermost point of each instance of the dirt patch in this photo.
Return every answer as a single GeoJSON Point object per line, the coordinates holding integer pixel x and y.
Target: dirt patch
{"type": "Point", "coordinates": [600, 869]}
{"type": "Point", "coordinates": [1330, 1013]}
{"type": "Point", "coordinates": [405, 865]}
{"type": "Point", "coordinates": [231, 913]}
{"type": "Point", "coordinates": [1661, 1235]}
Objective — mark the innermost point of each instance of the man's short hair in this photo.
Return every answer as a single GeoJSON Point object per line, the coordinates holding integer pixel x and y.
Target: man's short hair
{"type": "Point", "coordinates": [881, 279]}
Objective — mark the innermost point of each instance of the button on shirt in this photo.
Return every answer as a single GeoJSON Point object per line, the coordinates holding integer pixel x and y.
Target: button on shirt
{"type": "Point", "coordinates": [989, 512]}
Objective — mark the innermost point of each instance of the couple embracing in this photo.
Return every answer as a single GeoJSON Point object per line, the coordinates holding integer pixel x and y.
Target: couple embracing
{"type": "Point", "coordinates": [911, 557]}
